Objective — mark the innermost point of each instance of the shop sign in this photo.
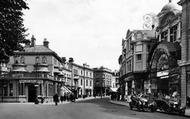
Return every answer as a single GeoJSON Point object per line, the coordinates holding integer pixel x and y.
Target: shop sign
{"type": "Point", "coordinates": [162, 73]}
{"type": "Point", "coordinates": [31, 81]}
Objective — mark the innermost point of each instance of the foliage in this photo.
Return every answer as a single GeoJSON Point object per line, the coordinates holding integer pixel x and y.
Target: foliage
{"type": "Point", "coordinates": [12, 30]}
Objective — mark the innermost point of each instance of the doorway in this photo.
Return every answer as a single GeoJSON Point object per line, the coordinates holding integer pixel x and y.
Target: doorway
{"type": "Point", "coordinates": [31, 93]}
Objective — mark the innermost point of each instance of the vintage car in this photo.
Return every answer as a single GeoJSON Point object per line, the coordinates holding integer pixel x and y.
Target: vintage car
{"type": "Point", "coordinates": [143, 103]}
{"type": "Point", "coordinates": [171, 105]}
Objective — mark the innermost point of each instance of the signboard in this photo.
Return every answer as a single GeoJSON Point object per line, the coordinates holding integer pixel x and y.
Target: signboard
{"type": "Point", "coordinates": [162, 73]}
{"type": "Point", "coordinates": [31, 81]}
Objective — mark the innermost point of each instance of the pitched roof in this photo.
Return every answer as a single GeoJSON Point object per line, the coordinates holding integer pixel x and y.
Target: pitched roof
{"type": "Point", "coordinates": [37, 49]}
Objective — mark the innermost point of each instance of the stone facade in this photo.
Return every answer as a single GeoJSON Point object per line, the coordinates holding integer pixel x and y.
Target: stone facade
{"type": "Point", "coordinates": [185, 62]}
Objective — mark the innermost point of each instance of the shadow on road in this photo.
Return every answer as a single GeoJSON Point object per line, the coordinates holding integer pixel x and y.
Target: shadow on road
{"type": "Point", "coordinates": [125, 111]}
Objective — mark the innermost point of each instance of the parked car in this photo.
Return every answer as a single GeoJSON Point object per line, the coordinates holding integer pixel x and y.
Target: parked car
{"type": "Point", "coordinates": [143, 103]}
{"type": "Point", "coordinates": [170, 106]}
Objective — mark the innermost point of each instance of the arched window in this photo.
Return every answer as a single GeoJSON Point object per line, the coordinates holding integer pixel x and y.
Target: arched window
{"type": "Point", "coordinates": [37, 60]}
{"type": "Point", "coordinates": [22, 60]}
{"type": "Point", "coordinates": [44, 60]}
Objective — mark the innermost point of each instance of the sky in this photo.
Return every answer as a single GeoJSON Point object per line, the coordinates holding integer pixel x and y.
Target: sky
{"type": "Point", "coordinates": [90, 31]}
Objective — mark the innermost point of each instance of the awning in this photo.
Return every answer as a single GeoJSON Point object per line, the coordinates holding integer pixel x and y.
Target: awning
{"type": "Point", "coordinates": [64, 89]}
{"type": "Point", "coordinates": [113, 89]}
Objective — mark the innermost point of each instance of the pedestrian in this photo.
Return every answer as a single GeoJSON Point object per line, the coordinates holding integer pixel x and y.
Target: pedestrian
{"type": "Point", "coordinates": [61, 98]}
{"type": "Point", "coordinates": [56, 99]}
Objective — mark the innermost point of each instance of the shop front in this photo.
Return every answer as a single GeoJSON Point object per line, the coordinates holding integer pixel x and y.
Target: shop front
{"type": "Point", "coordinates": [25, 89]}
{"type": "Point", "coordinates": [164, 74]}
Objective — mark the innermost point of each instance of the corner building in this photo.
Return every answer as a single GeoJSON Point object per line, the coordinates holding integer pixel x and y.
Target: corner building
{"type": "Point", "coordinates": [164, 68]}
{"type": "Point", "coordinates": [35, 72]}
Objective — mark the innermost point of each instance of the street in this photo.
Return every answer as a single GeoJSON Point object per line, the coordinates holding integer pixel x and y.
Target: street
{"type": "Point", "coordinates": [85, 109]}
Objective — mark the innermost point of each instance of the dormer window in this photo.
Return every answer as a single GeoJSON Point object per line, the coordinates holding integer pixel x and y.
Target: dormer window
{"type": "Point", "coordinates": [16, 59]}
{"type": "Point", "coordinates": [22, 60]}
{"type": "Point", "coordinates": [44, 60]}
{"type": "Point", "coordinates": [37, 60]}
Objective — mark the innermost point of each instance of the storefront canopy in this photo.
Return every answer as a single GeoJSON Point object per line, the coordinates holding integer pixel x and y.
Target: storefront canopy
{"type": "Point", "coordinates": [64, 89]}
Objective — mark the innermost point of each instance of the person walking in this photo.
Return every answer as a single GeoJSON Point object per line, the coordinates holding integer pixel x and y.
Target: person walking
{"type": "Point", "coordinates": [56, 99]}
{"type": "Point", "coordinates": [62, 98]}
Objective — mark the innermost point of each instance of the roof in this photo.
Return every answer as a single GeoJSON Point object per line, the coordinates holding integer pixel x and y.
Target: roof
{"type": "Point", "coordinates": [148, 33]}
{"type": "Point", "coordinates": [38, 48]}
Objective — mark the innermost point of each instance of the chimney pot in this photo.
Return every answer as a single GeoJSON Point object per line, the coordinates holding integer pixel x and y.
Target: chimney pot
{"type": "Point", "coordinates": [46, 43]}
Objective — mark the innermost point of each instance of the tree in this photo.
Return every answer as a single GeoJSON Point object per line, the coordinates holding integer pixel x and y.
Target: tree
{"type": "Point", "coordinates": [12, 30]}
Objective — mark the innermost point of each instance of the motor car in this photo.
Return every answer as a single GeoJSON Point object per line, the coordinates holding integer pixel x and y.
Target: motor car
{"type": "Point", "coordinates": [142, 103]}
{"type": "Point", "coordinates": [171, 105]}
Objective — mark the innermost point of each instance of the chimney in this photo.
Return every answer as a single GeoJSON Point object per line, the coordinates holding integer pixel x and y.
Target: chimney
{"type": "Point", "coordinates": [46, 43]}
{"type": "Point", "coordinates": [33, 41]}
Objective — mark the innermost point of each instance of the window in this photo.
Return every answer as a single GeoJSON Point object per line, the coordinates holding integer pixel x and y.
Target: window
{"type": "Point", "coordinates": [129, 68]}
{"type": "Point", "coordinates": [138, 48]}
{"type": "Point", "coordinates": [164, 35]}
{"type": "Point", "coordinates": [37, 60]}
{"type": "Point", "coordinates": [21, 88]}
{"type": "Point", "coordinates": [81, 82]}
{"type": "Point", "coordinates": [76, 71]}
{"type": "Point", "coordinates": [16, 59]}
{"type": "Point", "coordinates": [5, 90]}
{"type": "Point", "coordinates": [139, 57]}
{"type": "Point", "coordinates": [173, 33]}
{"type": "Point", "coordinates": [86, 82]}
{"type": "Point", "coordinates": [90, 83]}
{"type": "Point", "coordinates": [22, 60]}
{"type": "Point", "coordinates": [44, 60]}
{"type": "Point", "coordinates": [10, 89]}
{"type": "Point", "coordinates": [81, 72]}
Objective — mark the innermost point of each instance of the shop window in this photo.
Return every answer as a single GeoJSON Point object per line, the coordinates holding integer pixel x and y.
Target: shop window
{"type": "Point", "coordinates": [21, 88]}
{"type": "Point", "coordinates": [10, 89]}
{"type": "Point", "coordinates": [5, 90]}
{"type": "Point", "coordinates": [139, 57]}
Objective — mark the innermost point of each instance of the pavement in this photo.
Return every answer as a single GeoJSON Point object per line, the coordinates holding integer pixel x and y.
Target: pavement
{"type": "Point", "coordinates": [52, 103]}
{"type": "Point", "coordinates": [125, 103]}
